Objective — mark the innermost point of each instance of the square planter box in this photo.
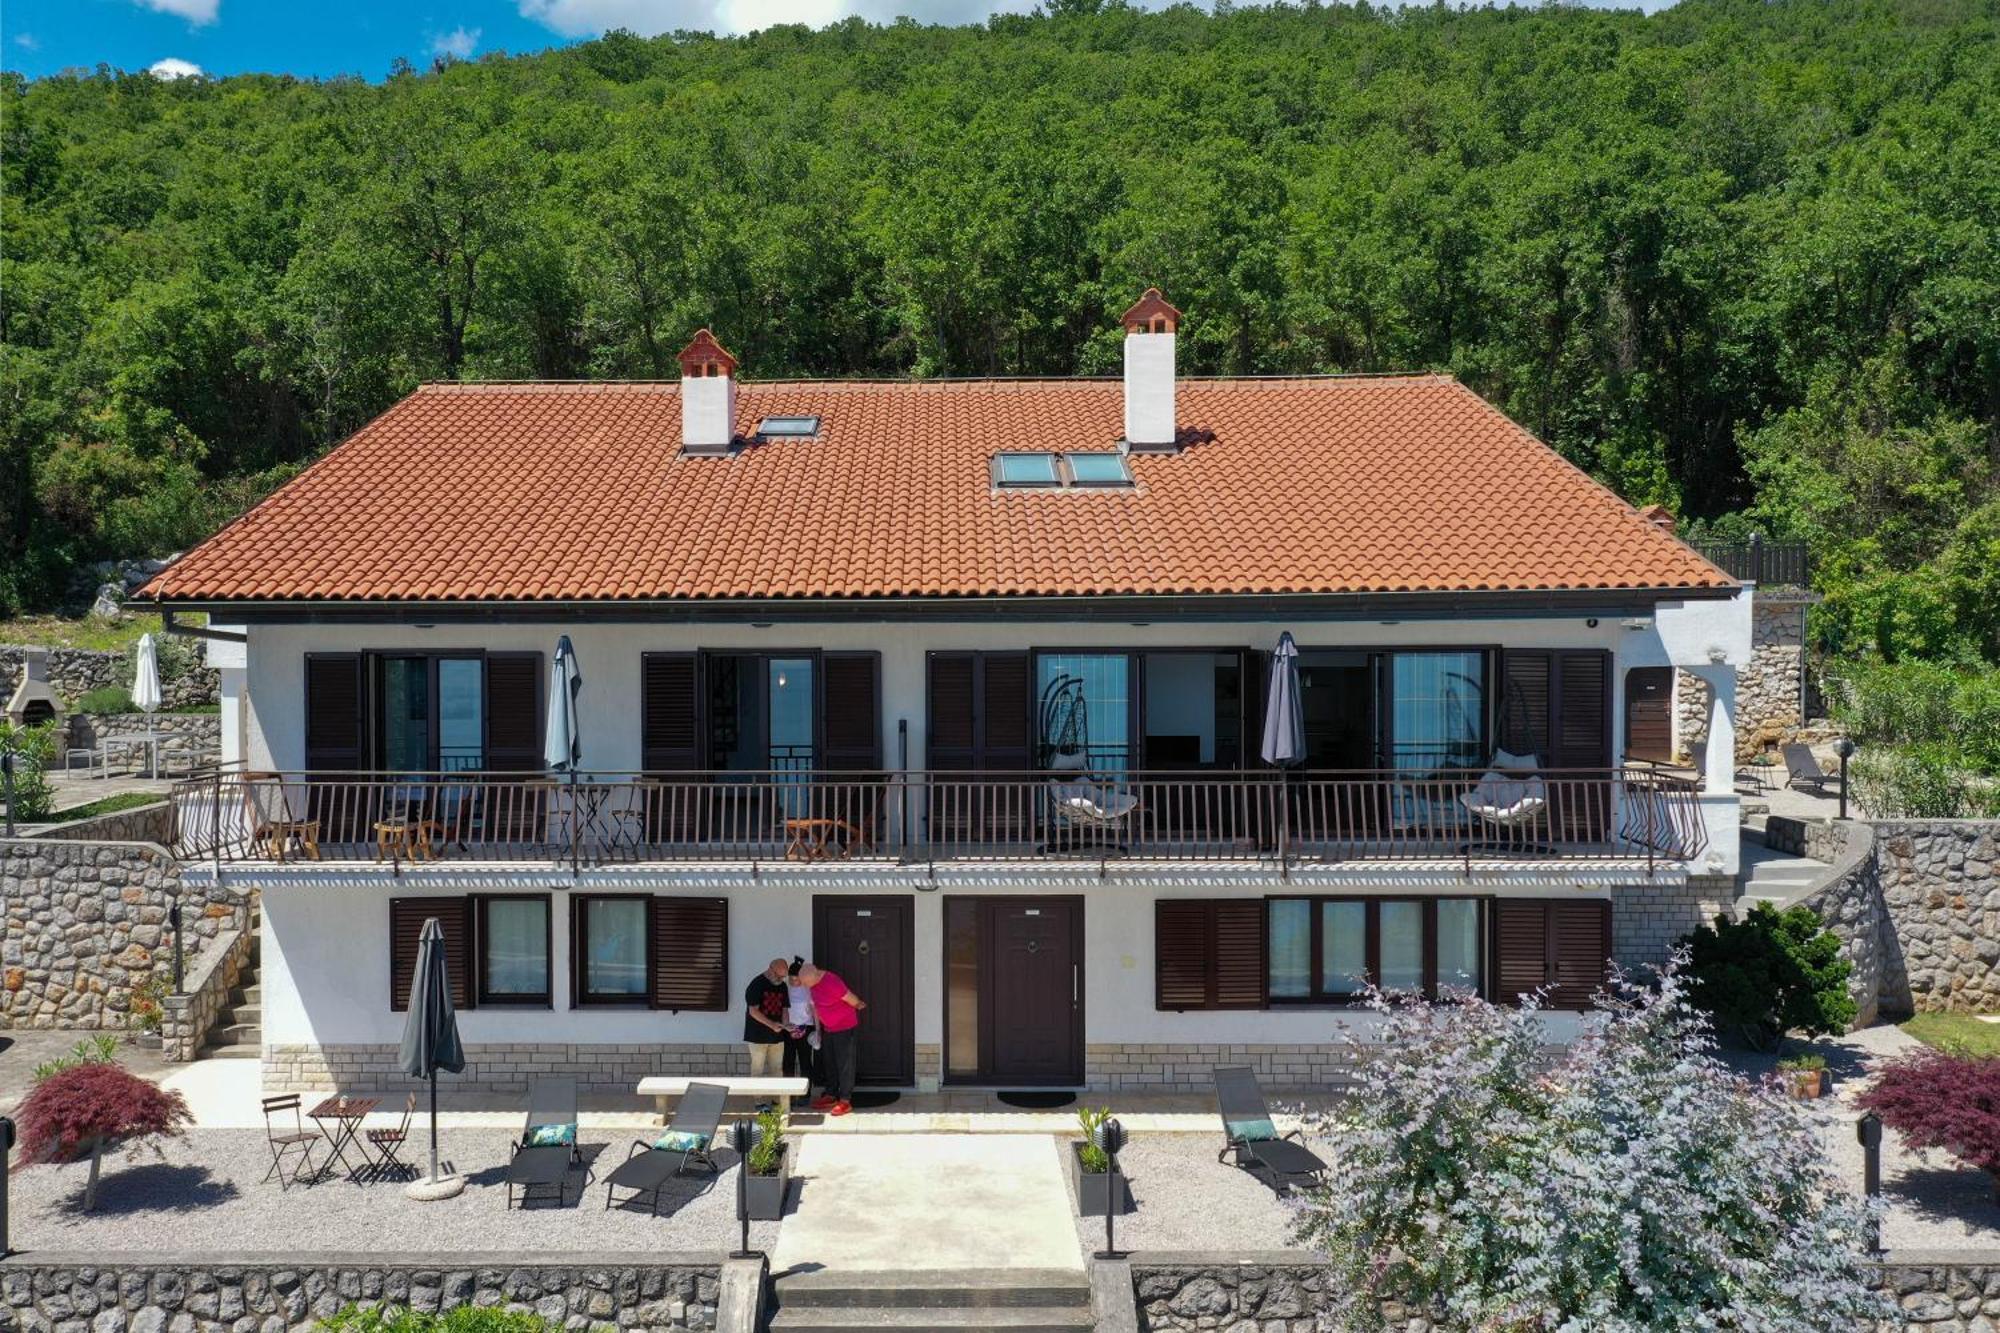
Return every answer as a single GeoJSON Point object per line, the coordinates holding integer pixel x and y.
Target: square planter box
{"type": "Point", "coordinates": [1090, 1186]}
{"type": "Point", "coordinates": [765, 1195]}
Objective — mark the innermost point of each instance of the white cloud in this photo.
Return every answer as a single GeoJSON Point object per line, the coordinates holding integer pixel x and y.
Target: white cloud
{"type": "Point", "coordinates": [197, 12]}
{"type": "Point", "coordinates": [648, 18]}
{"type": "Point", "coordinates": [27, 41]}
{"type": "Point", "coordinates": [174, 68]}
{"type": "Point", "coordinates": [460, 42]}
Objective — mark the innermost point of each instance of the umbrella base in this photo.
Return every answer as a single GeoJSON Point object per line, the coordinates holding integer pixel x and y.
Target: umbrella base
{"type": "Point", "coordinates": [431, 1188]}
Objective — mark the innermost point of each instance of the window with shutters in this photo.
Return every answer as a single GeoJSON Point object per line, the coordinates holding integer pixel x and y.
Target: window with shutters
{"type": "Point", "coordinates": [455, 917]}
{"type": "Point", "coordinates": [611, 949]}
{"type": "Point", "coordinates": [444, 712]}
{"type": "Point", "coordinates": [1560, 947]}
{"type": "Point", "coordinates": [511, 949]}
{"type": "Point", "coordinates": [1208, 953]}
{"type": "Point", "coordinates": [690, 953]}
{"type": "Point", "coordinates": [1328, 950]}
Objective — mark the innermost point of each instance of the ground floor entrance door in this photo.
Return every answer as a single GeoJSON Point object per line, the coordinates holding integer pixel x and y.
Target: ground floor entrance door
{"type": "Point", "coordinates": [870, 943]}
{"type": "Point", "coordinates": [1014, 991]}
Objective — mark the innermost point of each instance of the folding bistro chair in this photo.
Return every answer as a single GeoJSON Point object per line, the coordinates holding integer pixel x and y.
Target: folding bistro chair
{"type": "Point", "coordinates": [1249, 1134]}
{"type": "Point", "coordinates": [648, 1166]}
{"type": "Point", "coordinates": [296, 1142]}
{"type": "Point", "coordinates": [547, 1149]}
{"type": "Point", "coordinates": [388, 1143]}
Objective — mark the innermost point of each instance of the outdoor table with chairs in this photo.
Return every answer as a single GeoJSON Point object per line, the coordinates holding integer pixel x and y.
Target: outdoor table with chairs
{"type": "Point", "coordinates": [339, 1119]}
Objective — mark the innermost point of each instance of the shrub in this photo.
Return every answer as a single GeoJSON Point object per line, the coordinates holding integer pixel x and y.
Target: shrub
{"type": "Point", "coordinates": [110, 699]}
{"type": "Point", "coordinates": [34, 750]}
{"type": "Point", "coordinates": [463, 1319]}
{"type": "Point", "coordinates": [1943, 1099]}
{"type": "Point", "coordinates": [1918, 782]}
{"type": "Point", "coordinates": [98, 1050]}
{"type": "Point", "coordinates": [148, 1007]}
{"type": "Point", "coordinates": [1629, 1183]}
{"type": "Point", "coordinates": [93, 1106]}
{"type": "Point", "coordinates": [1770, 974]}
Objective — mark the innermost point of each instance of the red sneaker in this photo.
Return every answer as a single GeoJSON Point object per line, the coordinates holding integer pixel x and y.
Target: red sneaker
{"type": "Point", "coordinates": [840, 1108]}
{"type": "Point", "coordinates": [824, 1103]}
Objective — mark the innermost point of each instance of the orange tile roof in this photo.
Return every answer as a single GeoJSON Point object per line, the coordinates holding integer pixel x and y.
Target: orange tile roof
{"type": "Point", "coordinates": [578, 491]}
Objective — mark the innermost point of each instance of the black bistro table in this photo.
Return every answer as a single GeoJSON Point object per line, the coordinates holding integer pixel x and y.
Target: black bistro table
{"type": "Point", "coordinates": [339, 1118]}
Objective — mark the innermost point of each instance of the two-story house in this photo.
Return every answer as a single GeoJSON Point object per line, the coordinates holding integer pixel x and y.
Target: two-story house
{"type": "Point", "coordinates": [961, 688]}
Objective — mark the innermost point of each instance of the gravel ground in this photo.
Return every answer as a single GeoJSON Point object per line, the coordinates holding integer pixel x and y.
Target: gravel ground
{"type": "Point", "coordinates": [205, 1192]}
{"type": "Point", "coordinates": [1933, 1202]}
{"type": "Point", "coordinates": [1189, 1201]}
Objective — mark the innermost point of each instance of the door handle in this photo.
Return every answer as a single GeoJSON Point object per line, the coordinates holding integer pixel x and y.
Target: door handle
{"type": "Point", "coordinates": [1074, 969]}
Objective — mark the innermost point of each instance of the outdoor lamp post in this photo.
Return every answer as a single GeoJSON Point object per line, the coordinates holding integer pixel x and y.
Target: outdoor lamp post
{"type": "Point", "coordinates": [7, 786]}
{"type": "Point", "coordinates": [6, 1148]}
{"type": "Point", "coordinates": [1110, 1136]}
{"type": "Point", "coordinates": [743, 1136]}
{"type": "Point", "coordinates": [1845, 748]}
{"type": "Point", "coordinates": [1868, 1132]}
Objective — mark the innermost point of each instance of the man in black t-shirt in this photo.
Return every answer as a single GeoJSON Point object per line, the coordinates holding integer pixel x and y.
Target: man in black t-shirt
{"type": "Point", "coordinates": [765, 1000]}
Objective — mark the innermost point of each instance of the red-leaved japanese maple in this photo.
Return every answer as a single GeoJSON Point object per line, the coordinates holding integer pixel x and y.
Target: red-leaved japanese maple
{"type": "Point", "coordinates": [1936, 1099]}
{"type": "Point", "coordinates": [90, 1107]}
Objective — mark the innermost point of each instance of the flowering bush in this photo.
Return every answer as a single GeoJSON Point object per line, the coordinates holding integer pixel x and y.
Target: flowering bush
{"type": "Point", "coordinates": [89, 1107]}
{"type": "Point", "coordinates": [1941, 1099]}
{"type": "Point", "coordinates": [1628, 1184]}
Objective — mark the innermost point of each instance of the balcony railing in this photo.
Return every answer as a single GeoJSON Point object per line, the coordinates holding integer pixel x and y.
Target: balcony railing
{"type": "Point", "coordinates": [1766, 563]}
{"type": "Point", "coordinates": [1630, 814]}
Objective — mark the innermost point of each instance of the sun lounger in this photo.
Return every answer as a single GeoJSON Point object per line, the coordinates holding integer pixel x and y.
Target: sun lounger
{"type": "Point", "coordinates": [547, 1149]}
{"type": "Point", "coordinates": [650, 1164]}
{"type": "Point", "coordinates": [1280, 1161]}
{"type": "Point", "coordinates": [1803, 770]}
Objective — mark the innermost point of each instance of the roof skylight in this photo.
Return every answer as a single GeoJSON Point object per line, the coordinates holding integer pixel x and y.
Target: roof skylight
{"type": "Point", "coordinates": [1056, 472]}
{"type": "Point", "coordinates": [1098, 470]}
{"type": "Point", "coordinates": [788, 428]}
{"type": "Point", "coordinates": [1026, 470]}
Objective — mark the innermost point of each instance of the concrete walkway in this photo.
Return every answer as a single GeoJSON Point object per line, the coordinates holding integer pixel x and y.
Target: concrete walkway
{"type": "Point", "coordinates": [870, 1202]}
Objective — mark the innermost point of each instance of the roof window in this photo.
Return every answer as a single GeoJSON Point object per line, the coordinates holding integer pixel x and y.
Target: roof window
{"type": "Point", "coordinates": [788, 428]}
{"type": "Point", "coordinates": [1026, 470]}
{"type": "Point", "coordinates": [1098, 470]}
{"type": "Point", "coordinates": [1055, 472]}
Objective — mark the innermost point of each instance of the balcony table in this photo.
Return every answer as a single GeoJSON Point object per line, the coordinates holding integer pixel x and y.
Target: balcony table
{"type": "Point", "coordinates": [339, 1118]}
{"type": "Point", "coordinates": [822, 840]}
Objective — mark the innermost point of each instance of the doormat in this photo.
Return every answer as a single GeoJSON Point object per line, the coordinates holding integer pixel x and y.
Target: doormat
{"type": "Point", "coordinates": [1037, 1101]}
{"type": "Point", "coordinates": [874, 1101]}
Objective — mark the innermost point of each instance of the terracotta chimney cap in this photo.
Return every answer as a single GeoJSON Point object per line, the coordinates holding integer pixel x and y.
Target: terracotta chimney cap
{"type": "Point", "coordinates": [704, 356]}
{"type": "Point", "coordinates": [1151, 314]}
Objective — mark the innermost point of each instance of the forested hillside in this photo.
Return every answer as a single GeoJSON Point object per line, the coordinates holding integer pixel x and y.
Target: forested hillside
{"type": "Point", "coordinates": [1739, 257]}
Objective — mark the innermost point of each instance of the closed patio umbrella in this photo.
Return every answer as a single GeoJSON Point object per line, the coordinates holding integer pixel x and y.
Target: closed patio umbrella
{"type": "Point", "coordinates": [1284, 714]}
{"type": "Point", "coordinates": [430, 1043]}
{"type": "Point", "coordinates": [562, 743]}
{"type": "Point", "coordinates": [146, 693]}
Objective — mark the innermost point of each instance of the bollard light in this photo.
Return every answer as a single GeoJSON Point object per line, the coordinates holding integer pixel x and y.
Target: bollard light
{"type": "Point", "coordinates": [1845, 748]}
{"type": "Point", "coordinates": [743, 1136]}
{"type": "Point", "coordinates": [1868, 1132]}
{"type": "Point", "coordinates": [1110, 1137]}
{"type": "Point", "coordinates": [7, 786]}
{"type": "Point", "coordinates": [6, 1150]}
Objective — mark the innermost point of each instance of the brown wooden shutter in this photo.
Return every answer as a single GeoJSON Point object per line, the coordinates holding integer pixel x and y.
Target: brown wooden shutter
{"type": "Point", "coordinates": [669, 713]}
{"type": "Point", "coordinates": [1526, 700]}
{"type": "Point", "coordinates": [1579, 951]}
{"type": "Point", "coordinates": [1006, 706]}
{"type": "Point", "coordinates": [951, 720]}
{"type": "Point", "coordinates": [334, 713]}
{"type": "Point", "coordinates": [1583, 710]}
{"type": "Point", "coordinates": [406, 926]}
{"type": "Point", "coordinates": [1208, 953]}
{"type": "Point", "coordinates": [515, 711]}
{"type": "Point", "coordinates": [1520, 949]}
{"type": "Point", "coordinates": [851, 712]}
{"type": "Point", "coordinates": [690, 953]}
{"type": "Point", "coordinates": [978, 712]}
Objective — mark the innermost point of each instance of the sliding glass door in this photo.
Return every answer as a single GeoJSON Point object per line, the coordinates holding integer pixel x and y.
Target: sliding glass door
{"type": "Point", "coordinates": [432, 714]}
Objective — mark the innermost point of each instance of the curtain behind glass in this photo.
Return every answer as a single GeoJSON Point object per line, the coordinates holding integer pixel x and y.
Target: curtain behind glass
{"type": "Point", "coordinates": [614, 946]}
{"type": "Point", "coordinates": [517, 947]}
{"type": "Point", "coordinates": [1289, 960]}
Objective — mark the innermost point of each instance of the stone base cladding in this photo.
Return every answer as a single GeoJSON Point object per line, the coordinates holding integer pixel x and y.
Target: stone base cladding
{"type": "Point", "coordinates": [1848, 898]}
{"type": "Point", "coordinates": [1649, 919]}
{"type": "Point", "coordinates": [197, 1293]}
{"type": "Point", "coordinates": [186, 1018]}
{"type": "Point", "coordinates": [499, 1068]}
{"type": "Point", "coordinates": [1188, 1067]}
{"type": "Point", "coordinates": [87, 921]}
{"type": "Point", "coordinates": [1283, 1292]}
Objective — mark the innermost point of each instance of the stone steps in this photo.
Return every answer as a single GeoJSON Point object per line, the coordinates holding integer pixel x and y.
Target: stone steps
{"type": "Point", "coordinates": [966, 1301]}
{"type": "Point", "coordinates": [238, 1033]}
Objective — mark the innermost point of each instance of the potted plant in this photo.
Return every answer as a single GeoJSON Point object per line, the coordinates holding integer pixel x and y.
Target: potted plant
{"type": "Point", "coordinates": [769, 1168]}
{"type": "Point", "coordinates": [1090, 1167]}
{"type": "Point", "coordinates": [1804, 1076]}
{"type": "Point", "coordinates": [148, 1011]}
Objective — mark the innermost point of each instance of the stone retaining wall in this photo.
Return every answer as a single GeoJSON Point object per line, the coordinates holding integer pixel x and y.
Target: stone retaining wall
{"type": "Point", "coordinates": [87, 921]}
{"type": "Point", "coordinates": [186, 1018]}
{"type": "Point", "coordinates": [187, 741]}
{"type": "Point", "coordinates": [1282, 1292]}
{"type": "Point", "coordinates": [140, 823]}
{"type": "Point", "coordinates": [75, 672]}
{"type": "Point", "coordinates": [197, 1293]}
{"type": "Point", "coordinates": [1848, 899]}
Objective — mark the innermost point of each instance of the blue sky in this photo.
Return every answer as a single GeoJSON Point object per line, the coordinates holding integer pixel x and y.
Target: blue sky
{"type": "Point", "coordinates": [318, 38]}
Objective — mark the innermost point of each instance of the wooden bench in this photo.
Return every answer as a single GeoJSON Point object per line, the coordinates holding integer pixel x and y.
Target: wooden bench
{"type": "Point", "coordinates": [781, 1090]}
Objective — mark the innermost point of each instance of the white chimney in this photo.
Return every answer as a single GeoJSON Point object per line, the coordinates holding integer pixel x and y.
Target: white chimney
{"type": "Point", "coordinates": [1149, 373]}
{"type": "Point", "coordinates": [708, 396]}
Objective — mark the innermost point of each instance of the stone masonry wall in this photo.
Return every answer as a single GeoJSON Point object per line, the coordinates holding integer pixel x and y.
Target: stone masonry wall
{"type": "Point", "coordinates": [187, 741]}
{"type": "Point", "coordinates": [186, 1019]}
{"type": "Point", "coordinates": [1940, 882]}
{"type": "Point", "coordinates": [1769, 689]}
{"type": "Point", "coordinates": [141, 823]}
{"type": "Point", "coordinates": [75, 672]}
{"type": "Point", "coordinates": [493, 1067]}
{"type": "Point", "coordinates": [193, 1293]}
{"type": "Point", "coordinates": [1849, 900]}
{"type": "Point", "coordinates": [1284, 1293]}
{"type": "Point", "coordinates": [1649, 919]}
{"type": "Point", "coordinates": [1189, 1067]}
{"type": "Point", "coordinates": [87, 921]}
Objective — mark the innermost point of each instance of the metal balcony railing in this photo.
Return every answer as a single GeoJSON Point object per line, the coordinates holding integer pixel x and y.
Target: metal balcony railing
{"type": "Point", "coordinates": [1768, 564]}
{"type": "Point", "coordinates": [1632, 814]}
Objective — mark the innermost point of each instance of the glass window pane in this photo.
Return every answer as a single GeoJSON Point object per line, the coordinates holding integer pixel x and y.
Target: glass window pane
{"type": "Point", "coordinates": [406, 714]}
{"type": "Point", "coordinates": [1086, 701]}
{"type": "Point", "coordinates": [1439, 709]}
{"type": "Point", "coordinates": [461, 714]}
{"type": "Point", "coordinates": [961, 962]}
{"type": "Point", "coordinates": [517, 947]}
{"type": "Point", "coordinates": [614, 946]}
{"type": "Point", "coordinates": [791, 713]}
{"type": "Point", "coordinates": [1027, 469]}
{"type": "Point", "coordinates": [1402, 946]}
{"type": "Point", "coordinates": [1343, 947]}
{"type": "Point", "coordinates": [1458, 945]}
{"type": "Point", "coordinates": [1098, 469]}
{"type": "Point", "coordinates": [1290, 958]}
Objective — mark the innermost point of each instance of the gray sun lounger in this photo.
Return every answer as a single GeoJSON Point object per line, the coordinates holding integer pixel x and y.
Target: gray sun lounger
{"type": "Point", "coordinates": [551, 1101]}
{"type": "Point", "coordinates": [647, 1168]}
{"type": "Point", "coordinates": [1802, 770]}
{"type": "Point", "coordinates": [1249, 1135]}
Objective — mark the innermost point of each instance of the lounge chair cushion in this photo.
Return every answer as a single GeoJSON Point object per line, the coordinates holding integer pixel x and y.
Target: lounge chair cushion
{"type": "Point", "coordinates": [552, 1136]}
{"type": "Point", "coordinates": [1251, 1131]}
{"type": "Point", "coordinates": [1508, 762]}
{"type": "Point", "coordinates": [681, 1140]}
{"type": "Point", "coordinates": [1096, 804]}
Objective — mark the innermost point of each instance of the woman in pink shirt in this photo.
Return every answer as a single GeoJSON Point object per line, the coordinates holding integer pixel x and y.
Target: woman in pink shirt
{"type": "Point", "coordinates": [839, 1011]}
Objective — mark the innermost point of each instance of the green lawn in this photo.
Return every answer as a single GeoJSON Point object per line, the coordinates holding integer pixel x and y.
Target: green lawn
{"type": "Point", "coordinates": [86, 632]}
{"type": "Point", "coordinates": [1958, 1031]}
{"type": "Point", "coordinates": [123, 801]}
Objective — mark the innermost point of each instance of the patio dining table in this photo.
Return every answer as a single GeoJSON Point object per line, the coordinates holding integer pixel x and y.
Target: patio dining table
{"type": "Point", "coordinates": [339, 1118]}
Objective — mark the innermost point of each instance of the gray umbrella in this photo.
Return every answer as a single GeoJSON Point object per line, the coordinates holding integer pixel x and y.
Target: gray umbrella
{"type": "Point", "coordinates": [562, 746]}
{"type": "Point", "coordinates": [430, 1033]}
{"type": "Point", "coordinates": [1284, 715]}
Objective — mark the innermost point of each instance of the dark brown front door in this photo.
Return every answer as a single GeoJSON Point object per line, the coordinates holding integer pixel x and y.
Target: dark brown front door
{"type": "Point", "coordinates": [1014, 991]}
{"type": "Point", "coordinates": [868, 942]}
{"type": "Point", "coordinates": [1649, 704]}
